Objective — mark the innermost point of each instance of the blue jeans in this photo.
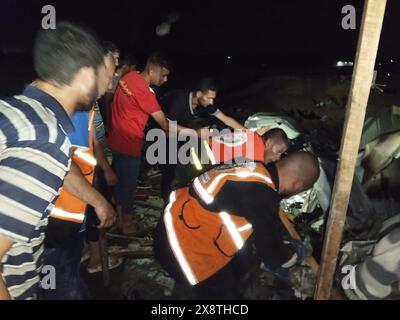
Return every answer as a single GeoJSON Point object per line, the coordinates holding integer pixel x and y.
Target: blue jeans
{"type": "Point", "coordinates": [66, 261]}
{"type": "Point", "coordinates": [127, 170]}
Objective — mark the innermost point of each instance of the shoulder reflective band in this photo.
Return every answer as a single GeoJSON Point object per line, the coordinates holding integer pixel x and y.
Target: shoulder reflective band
{"type": "Point", "coordinates": [232, 229]}
{"type": "Point", "coordinates": [204, 195]}
{"type": "Point", "coordinates": [195, 158]}
{"type": "Point", "coordinates": [214, 184]}
{"type": "Point", "coordinates": [207, 194]}
{"type": "Point", "coordinates": [62, 214]}
{"type": "Point", "coordinates": [173, 240]}
{"type": "Point", "coordinates": [86, 157]}
{"type": "Point", "coordinates": [245, 227]}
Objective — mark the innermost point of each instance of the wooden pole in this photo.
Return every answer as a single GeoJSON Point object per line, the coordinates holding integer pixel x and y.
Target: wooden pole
{"type": "Point", "coordinates": [367, 48]}
{"type": "Point", "coordinates": [104, 257]}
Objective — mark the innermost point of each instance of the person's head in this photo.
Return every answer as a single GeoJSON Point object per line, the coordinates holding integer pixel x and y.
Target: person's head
{"type": "Point", "coordinates": [298, 171]}
{"type": "Point", "coordinates": [105, 73]}
{"type": "Point", "coordinates": [205, 92]}
{"type": "Point", "coordinates": [157, 69]}
{"type": "Point", "coordinates": [111, 48]}
{"type": "Point", "coordinates": [126, 64]}
{"type": "Point", "coordinates": [68, 57]}
{"type": "Point", "coordinates": [276, 143]}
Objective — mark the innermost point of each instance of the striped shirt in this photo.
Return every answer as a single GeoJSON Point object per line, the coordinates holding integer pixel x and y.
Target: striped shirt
{"type": "Point", "coordinates": [34, 158]}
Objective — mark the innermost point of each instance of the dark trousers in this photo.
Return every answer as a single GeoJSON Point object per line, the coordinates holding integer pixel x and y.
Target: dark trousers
{"type": "Point", "coordinates": [167, 178]}
{"type": "Point", "coordinates": [127, 169]}
{"type": "Point", "coordinates": [66, 261]}
{"type": "Point", "coordinates": [227, 283]}
{"type": "Point", "coordinates": [92, 233]}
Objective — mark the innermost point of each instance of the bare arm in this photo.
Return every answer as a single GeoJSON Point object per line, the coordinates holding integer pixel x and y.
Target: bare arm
{"type": "Point", "coordinates": [161, 119]}
{"type": "Point", "coordinates": [173, 128]}
{"type": "Point", "coordinates": [5, 245]}
{"type": "Point", "coordinates": [109, 174]}
{"type": "Point", "coordinates": [229, 121]}
{"type": "Point", "coordinates": [76, 184]}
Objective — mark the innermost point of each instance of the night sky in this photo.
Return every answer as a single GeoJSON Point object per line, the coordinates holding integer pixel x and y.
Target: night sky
{"type": "Point", "coordinates": [278, 33]}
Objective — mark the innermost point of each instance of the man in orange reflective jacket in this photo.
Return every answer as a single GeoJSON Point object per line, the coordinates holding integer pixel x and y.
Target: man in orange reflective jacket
{"type": "Point", "coordinates": [207, 228]}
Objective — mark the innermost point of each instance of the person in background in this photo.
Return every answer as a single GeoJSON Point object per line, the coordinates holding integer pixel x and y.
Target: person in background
{"type": "Point", "coordinates": [105, 101]}
{"type": "Point", "coordinates": [66, 230]}
{"type": "Point", "coordinates": [126, 64]}
{"type": "Point", "coordinates": [185, 106]}
{"type": "Point", "coordinates": [134, 102]}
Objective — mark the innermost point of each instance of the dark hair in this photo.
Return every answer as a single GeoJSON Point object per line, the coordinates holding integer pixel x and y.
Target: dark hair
{"type": "Point", "coordinates": [127, 59]}
{"type": "Point", "coordinates": [109, 47]}
{"type": "Point", "coordinates": [206, 84]}
{"type": "Point", "coordinates": [276, 133]}
{"type": "Point", "coordinates": [60, 53]}
{"type": "Point", "coordinates": [158, 60]}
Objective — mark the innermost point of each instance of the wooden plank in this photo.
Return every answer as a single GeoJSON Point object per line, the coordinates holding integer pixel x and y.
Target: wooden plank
{"type": "Point", "coordinates": [104, 257]}
{"type": "Point", "coordinates": [367, 48]}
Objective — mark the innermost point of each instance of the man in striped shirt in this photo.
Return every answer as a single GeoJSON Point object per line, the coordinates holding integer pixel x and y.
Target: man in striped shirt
{"type": "Point", "coordinates": [34, 149]}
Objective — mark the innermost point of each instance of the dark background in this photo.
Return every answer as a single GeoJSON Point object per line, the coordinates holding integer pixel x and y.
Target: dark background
{"type": "Point", "coordinates": [261, 37]}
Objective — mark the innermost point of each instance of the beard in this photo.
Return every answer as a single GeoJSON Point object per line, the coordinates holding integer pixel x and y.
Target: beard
{"type": "Point", "coordinates": [89, 100]}
{"type": "Point", "coordinates": [84, 108]}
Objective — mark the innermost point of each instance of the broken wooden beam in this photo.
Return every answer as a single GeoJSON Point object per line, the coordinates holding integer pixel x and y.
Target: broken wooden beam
{"type": "Point", "coordinates": [367, 48]}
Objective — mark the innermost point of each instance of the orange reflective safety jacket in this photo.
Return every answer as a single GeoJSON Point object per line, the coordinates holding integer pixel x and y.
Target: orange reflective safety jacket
{"type": "Point", "coordinates": [204, 241]}
{"type": "Point", "coordinates": [237, 144]}
{"type": "Point", "coordinates": [67, 206]}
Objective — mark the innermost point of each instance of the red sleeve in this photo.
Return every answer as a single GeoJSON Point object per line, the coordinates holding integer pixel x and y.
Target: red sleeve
{"type": "Point", "coordinates": [146, 98]}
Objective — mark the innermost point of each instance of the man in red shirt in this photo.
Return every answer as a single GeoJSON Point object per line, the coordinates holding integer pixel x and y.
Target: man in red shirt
{"type": "Point", "coordinates": [134, 101]}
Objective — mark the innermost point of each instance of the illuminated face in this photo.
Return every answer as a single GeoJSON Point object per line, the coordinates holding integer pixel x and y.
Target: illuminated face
{"type": "Point", "coordinates": [274, 151]}
{"type": "Point", "coordinates": [205, 99]}
{"type": "Point", "coordinates": [88, 88]}
{"type": "Point", "coordinates": [105, 75]}
{"type": "Point", "coordinates": [158, 76]}
{"type": "Point", "coordinates": [116, 55]}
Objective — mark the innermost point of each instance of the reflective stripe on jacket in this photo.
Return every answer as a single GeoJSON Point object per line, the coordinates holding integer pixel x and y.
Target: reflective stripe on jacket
{"type": "Point", "coordinates": [67, 206]}
{"type": "Point", "coordinates": [204, 241]}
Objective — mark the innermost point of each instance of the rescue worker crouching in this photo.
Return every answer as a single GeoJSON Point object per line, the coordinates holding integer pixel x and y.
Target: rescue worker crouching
{"type": "Point", "coordinates": [238, 146]}
{"type": "Point", "coordinates": [203, 239]}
